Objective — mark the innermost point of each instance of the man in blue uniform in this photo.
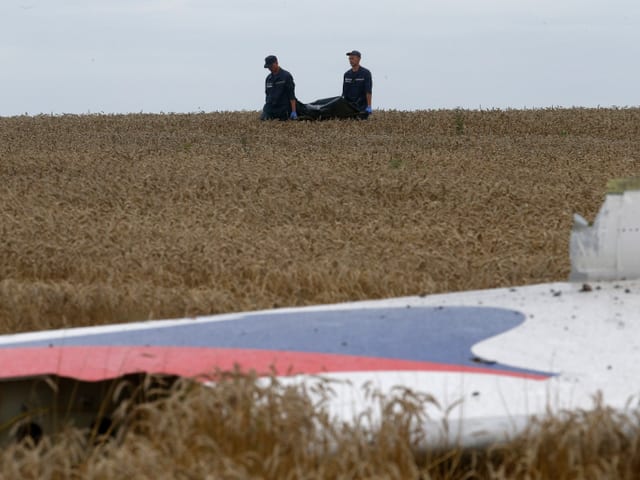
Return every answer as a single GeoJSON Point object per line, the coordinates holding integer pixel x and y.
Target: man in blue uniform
{"type": "Point", "coordinates": [280, 103]}
{"type": "Point", "coordinates": [357, 85]}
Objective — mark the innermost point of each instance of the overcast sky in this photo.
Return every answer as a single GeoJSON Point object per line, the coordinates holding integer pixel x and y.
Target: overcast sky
{"type": "Point", "coordinates": [121, 56]}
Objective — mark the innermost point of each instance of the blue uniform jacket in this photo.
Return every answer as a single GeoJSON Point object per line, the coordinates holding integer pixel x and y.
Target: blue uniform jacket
{"type": "Point", "coordinates": [279, 91]}
{"type": "Point", "coordinates": [355, 87]}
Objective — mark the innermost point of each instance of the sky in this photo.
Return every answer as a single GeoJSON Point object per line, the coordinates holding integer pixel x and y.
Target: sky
{"type": "Point", "coordinates": [129, 56]}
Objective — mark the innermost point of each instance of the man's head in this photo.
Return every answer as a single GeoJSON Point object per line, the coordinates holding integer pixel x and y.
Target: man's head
{"type": "Point", "coordinates": [354, 58]}
{"type": "Point", "coordinates": [271, 62]}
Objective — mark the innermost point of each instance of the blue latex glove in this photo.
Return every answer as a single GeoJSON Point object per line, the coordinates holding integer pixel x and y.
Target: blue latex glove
{"type": "Point", "coordinates": [294, 116]}
{"type": "Point", "coordinates": [368, 110]}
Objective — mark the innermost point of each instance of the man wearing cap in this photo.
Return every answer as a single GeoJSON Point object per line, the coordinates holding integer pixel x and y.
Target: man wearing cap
{"type": "Point", "coordinates": [357, 85]}
{"type": "Point", "coordinates": [280, 103]}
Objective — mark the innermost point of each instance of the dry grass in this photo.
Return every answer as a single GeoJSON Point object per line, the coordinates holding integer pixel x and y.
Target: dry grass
{"type": "Point", "coordinates": [244, 429]}
{"type": "Point", "coordinates": [107, 219]}
{"type": "Point", "coordinates": [110, 219]}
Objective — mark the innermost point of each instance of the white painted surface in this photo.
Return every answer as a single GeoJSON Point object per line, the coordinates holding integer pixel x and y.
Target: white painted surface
{"type": "Point", "coordinates": [589, 339]}
{"type": "Point", "coordinates": [610, 249]}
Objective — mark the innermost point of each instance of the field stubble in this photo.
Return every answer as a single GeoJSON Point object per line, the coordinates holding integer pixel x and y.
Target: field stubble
{"type": "Point", "coordinates": [107, 219]}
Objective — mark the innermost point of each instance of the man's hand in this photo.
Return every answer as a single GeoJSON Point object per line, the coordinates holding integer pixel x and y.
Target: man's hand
{"type": "Point", "coordinates": [293, 116]}
{"type": "Point", "coordinates": [368, 110]}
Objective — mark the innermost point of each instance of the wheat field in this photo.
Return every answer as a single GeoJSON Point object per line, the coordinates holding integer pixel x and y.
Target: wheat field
{"type": "Point", "coordinates": [118, 218]}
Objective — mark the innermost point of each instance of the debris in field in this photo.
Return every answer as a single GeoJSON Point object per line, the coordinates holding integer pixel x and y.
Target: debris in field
{"type": "Point", "coordinates": [607, 250]}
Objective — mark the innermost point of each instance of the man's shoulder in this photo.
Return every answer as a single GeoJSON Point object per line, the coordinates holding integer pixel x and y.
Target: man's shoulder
{"type": "Point", "coordinates": [358, 73]}
{"type": "Point", "coordinates": [285, 73]}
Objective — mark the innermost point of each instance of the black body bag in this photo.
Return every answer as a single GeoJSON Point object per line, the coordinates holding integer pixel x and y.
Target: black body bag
{"type": "Point", "coordinates": [326, 108]}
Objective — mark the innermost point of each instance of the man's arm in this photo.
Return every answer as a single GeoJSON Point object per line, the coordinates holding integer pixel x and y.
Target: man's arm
{"type": "Point", "coordinates": [292, 96]}
{"type": "Point", "coordinates": [368, 85]}
{"type": "Point", "coordinates": [291, 91]}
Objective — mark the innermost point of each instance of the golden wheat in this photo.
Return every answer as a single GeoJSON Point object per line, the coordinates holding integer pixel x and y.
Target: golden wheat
{"type": "Point", "coordinates": [119, 218]}
{"type": "Point", "coordinates": [116, 218]}
{"type": "Point", "coordinates": [242, 428]}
